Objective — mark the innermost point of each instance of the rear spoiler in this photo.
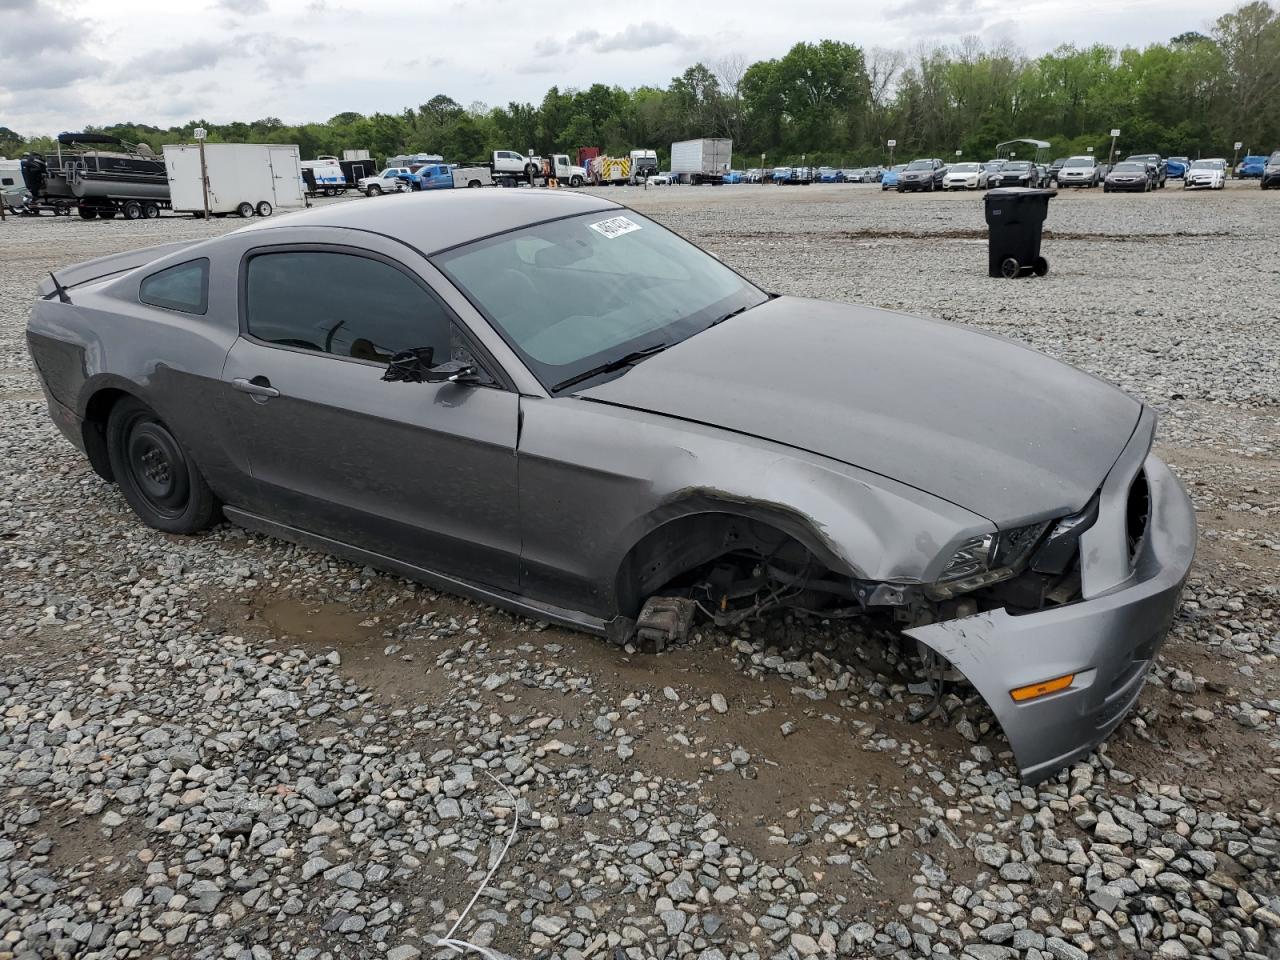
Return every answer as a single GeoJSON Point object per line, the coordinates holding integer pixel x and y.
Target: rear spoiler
{"type": "Point", "coordinates": [97, 269]}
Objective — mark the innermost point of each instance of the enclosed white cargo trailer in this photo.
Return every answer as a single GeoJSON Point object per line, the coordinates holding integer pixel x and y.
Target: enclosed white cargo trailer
{"type": "Point", "coordinates": [244, 178]}
{"type": "Point", "coordinates": [702, 161]}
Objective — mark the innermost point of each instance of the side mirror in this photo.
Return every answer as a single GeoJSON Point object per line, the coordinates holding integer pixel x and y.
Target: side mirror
{"type": "Point", "coordinates": [451, 371]}
{"type": "Point", "coordinates": [417, 366]}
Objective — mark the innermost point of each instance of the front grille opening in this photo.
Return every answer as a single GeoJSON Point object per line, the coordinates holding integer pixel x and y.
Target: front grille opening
{"type": "Point", "coordinates": [1137, 513]}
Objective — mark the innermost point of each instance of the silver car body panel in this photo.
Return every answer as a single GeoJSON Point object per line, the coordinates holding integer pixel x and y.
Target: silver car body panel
{"type": "Point", "coordinates": [972, 418]}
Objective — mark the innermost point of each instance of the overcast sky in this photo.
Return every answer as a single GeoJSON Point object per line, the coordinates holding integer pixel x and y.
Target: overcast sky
{"type": "Point", "coordinates": [67, 64]}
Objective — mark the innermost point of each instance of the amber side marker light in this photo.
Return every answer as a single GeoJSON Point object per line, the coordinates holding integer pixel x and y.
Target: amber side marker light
{"type": "Point", "coordinates": [1033, 690]}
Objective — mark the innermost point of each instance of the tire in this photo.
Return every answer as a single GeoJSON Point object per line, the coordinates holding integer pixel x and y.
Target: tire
{"type": "Point", "coordinates": [107, 214]}
{"type": "Point", "coordinates": [575, 181]}
{"type": "Point", "coordinates": [244, 210]}
{"type": "Point", "coordinates": [87, 213]}
{"type": "Point", "coordinates": [474, 184]}
{"type": "Point", "coordinates": [374, 190]}
{"type": "Point", "coordinates": [151, 210]}
{"type": "Point", "coordinates": [132, 210]}
{"type": "Point", "coordinates": [1040, 267]}
{"type": "Point", "coordinates": [1010, 268]}
{"type": "Point", "coordinates": [155, 473]}
{"type": "Point", "coordinates": [264, 208]}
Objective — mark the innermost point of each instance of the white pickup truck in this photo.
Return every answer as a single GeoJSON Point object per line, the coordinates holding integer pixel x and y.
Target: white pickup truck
{"type": "Point", "coordinates": [387, 180]}
{"type": "Point", "coordinates": [509, 167]}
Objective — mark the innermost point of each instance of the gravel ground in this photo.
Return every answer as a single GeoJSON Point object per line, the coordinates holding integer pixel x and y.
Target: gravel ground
{"type": "Point", "coordinates": [226, 746]}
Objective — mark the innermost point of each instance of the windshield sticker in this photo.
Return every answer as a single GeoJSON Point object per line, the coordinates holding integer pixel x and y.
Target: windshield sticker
{"type": "Point", "coordinates": [615, 227]}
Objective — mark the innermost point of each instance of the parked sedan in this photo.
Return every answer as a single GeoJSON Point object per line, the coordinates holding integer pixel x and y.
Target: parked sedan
{"type": "Point", "coordinates": [1015, 173]}
{"type": "Point", "coordinates": [1206, 175]}
{"type": "Point", "coordinates": [1133, 175]}
{"type": "Point", "coordinates": [1251, 166]}
{"type": "Point", "coordinates": [1161, 171]}
{"type": "Point", "coordinates": [922, 175]}
{"type": "Point", "coordinates": [546, 401]}
{"type": "Point", "coordinates": [965, 176]}
{"type": "Point", "coordinates": [1271, 172]}
{"type": "Point", "coordinates": [1079, 171]}
{"type": "Point", "coordinates": [889, 178]}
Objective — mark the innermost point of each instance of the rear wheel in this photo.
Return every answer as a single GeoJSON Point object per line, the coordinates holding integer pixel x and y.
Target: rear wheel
{"type": "Point", "coordinates": [264, 209]}
{"type": "Point", "coordinates": [87, 213]}
{"type": "Point", "coordinates": [156, 476]}
{"type": "Point", "coordinates": [1009, 267]}
{"type": "Point", "coordinates": [1040, 267]}
{"type": "Point", "coordinates": [109, 214]}
{"type": "Point", "coordinates": [133, 210]}
{"type": "Point", "coordinates": [151, 210]}
{"type": "Point", "coordinates": [245, 209]}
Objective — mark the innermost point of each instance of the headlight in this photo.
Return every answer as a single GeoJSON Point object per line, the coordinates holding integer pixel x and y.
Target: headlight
{"type": "Point", "coordinates": [972, 556]}
{"type": "Point", "coordinates": [988, 558]}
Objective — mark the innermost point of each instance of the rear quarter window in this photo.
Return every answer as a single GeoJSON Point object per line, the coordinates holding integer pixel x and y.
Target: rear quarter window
{"type": "Point", "coordinates": [184, 287]}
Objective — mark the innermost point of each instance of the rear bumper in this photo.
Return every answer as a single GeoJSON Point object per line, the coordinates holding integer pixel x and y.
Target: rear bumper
{"type": "Point", "coordinates": [1108, 641]}
{"type": "Point", "coordinates": [70, 425]}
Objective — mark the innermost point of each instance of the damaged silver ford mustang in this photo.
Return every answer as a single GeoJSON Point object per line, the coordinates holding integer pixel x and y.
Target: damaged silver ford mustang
{"type": "Point", "coordinates": [549, 402]}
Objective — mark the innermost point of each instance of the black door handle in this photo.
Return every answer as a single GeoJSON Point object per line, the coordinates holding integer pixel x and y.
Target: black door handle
{"type": "Point", "coordinates": [257, 387]}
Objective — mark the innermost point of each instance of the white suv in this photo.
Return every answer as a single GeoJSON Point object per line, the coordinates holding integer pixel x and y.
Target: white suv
{"type": "Point", "coordinates": [1078, 172]}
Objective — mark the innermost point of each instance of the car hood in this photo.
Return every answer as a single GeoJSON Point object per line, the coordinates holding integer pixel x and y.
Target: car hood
{"type": "Point", "coordinates": [975, 419]}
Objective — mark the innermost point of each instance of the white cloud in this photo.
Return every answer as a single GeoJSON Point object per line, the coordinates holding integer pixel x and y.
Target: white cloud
{"type": "Point", "coordinates": [243, 8]}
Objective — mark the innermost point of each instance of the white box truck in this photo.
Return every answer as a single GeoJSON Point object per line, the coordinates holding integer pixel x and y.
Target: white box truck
{"type": "Point", "coordinates": [702, 161]}
{"type": "Point", "coordinates": [244, 178]}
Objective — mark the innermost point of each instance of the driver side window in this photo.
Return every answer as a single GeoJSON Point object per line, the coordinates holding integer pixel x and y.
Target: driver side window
{"type": "Point", "coordinates": [350, 306]}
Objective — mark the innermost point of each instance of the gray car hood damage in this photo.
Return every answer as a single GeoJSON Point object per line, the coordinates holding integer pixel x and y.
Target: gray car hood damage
{"type": "Point", "coordinates": [983, 422]}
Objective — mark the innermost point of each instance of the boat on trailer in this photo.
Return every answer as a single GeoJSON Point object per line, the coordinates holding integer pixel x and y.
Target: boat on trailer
{"type": "Point", "coordinates": [129, 180]}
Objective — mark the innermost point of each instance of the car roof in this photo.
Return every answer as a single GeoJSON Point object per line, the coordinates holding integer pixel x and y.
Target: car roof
{"type": "Point", "coordinates": [437, 220]}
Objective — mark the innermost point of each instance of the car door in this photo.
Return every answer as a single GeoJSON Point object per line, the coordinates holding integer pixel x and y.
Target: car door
{"type": "Point", "coordinates": [420, 472]}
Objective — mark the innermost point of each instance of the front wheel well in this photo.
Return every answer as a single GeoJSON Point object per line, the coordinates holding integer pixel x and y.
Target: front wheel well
{"type": "Point", "coordinates": [676, 551]}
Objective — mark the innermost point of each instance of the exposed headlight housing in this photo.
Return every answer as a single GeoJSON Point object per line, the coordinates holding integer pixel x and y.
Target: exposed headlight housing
{"type": "Point", "coordinates": [972, 556]}
{"type": "Point", "coordinates": [987, 559]}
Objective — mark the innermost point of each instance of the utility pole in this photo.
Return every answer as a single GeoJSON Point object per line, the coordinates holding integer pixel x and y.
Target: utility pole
{"type": "Point", "coordinates": [199, 134]}
{"type": "Point", "coordinates": [1111, 157]}
{"type": "Point", "coordinates": [892, 144]}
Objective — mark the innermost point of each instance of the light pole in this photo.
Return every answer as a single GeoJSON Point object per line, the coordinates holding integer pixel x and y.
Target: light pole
{"type": "Point", "coordinates": [199, 134]}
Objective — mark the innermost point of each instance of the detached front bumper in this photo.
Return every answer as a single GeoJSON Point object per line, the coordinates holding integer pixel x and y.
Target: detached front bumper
{"type": "Point", "coordinates": [1108, 640]}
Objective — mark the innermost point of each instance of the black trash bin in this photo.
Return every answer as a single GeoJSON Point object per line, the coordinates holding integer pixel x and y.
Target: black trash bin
{"type": "Point", "coordinates": [1015, 217]}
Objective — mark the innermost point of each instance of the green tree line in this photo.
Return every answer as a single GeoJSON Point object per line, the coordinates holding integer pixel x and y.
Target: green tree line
{"type": "Point", "coordinates": [835, 102]}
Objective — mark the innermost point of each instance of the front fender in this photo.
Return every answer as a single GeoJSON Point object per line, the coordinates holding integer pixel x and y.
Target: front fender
{"type": "Point", "coordinates": [595, 479]}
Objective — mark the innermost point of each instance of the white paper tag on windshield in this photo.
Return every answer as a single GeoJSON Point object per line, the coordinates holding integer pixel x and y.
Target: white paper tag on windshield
{"type": "Point", "coordinates": [615, 227]}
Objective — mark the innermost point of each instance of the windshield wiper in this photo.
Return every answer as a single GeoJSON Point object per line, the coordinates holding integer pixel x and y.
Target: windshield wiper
{"type": "Point", "coordinates": [626, 360]}
{"type": "Point", "coordinates": [742, 309]}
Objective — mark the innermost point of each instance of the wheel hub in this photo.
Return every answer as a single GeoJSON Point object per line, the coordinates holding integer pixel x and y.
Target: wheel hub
{"type": "Point", "coordinates": [156, 467]}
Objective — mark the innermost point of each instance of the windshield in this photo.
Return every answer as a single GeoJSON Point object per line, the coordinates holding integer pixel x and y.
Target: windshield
{"type": "Point", "coordinates": [920, 165]}
{"type": "Point", "coordinates": [1207, 165]}
{"type": "Point", "coordinates": [1274, 158]}
{"type": "Point", "coordinates": [1079, 162]}
{"type": "Point", "coordinates": [1144, 156]}
{"type": "Point", "coordinates": [1130, 168]}
{"type": "Point", "coordinates": [1017, 166]}
{"type": "Point", "coordinates": [964, 168]}
{"type": "Point", "coordinates": [573, 294]}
